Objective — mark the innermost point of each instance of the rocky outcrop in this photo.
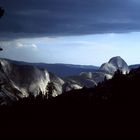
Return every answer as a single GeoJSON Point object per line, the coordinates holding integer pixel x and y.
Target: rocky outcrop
{"type": "Point", "coordinates": [19, 81]}
{"type": "Point", "coordinates": [114, 64]}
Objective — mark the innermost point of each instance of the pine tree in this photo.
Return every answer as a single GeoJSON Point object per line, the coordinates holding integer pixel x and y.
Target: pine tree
{"type": "Point", "coordinates": [50, 89]}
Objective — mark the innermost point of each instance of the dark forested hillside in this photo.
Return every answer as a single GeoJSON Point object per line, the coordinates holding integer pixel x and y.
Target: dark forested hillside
{"type": "Point", "coordinates": [111, 108]}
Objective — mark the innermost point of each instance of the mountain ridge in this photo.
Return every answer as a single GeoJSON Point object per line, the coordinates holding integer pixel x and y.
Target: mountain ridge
{"type": "Point", "coordinates": [60, 69]}
{"type": "Point", "coordinates": [25, 79]}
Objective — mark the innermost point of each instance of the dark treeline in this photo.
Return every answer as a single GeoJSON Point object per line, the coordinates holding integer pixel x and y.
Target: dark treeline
{"type": "Point", "coordinates": [111, 108]}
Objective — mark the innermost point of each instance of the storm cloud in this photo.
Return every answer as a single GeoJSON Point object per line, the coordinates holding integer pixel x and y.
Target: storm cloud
{"type": "Point", "coordinates": [69, 17]}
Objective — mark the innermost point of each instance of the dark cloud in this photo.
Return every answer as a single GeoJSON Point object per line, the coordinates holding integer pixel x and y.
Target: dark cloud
{"type": "Point", "coordinates": [69, 17]}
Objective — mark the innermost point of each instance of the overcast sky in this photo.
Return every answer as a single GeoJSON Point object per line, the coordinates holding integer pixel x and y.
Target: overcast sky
{"type": "Point", "coordinates": [70, 31]}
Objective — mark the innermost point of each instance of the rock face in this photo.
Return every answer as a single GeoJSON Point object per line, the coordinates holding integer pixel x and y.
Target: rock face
{"type": "Point", "coordinates": [114, 64]}
{"type": "Point", "coordinates": [58, 83]}
{"type": "Point", "coordinates": [100, 76]}
{"type": "Point", "coordinates": [108, 68]}
{"type": "Point", "coordinates": [106, 71]}
{"type": "Point", "coordinates": [27, 79]}
{"type": "Point", "coordinates": [71, 85]}
{"type": "Point", "coordinates": [19, 81]}
{"type": "Point", "coordinates": [84, 79]}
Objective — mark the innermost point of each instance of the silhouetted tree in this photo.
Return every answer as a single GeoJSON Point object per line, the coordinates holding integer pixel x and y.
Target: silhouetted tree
{"type": "Point", "coordinates": [50, 89]}
{"type": "Point", "coordinates": [1, 12]}
{"type": "Point", "coordinates": [105, 79]}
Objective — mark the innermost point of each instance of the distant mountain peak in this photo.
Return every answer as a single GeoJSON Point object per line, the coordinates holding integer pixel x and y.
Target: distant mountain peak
{"type": "Point", "coordinates": [116, 57]}
{"type": "Point", "coordinates": [114, 64]}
